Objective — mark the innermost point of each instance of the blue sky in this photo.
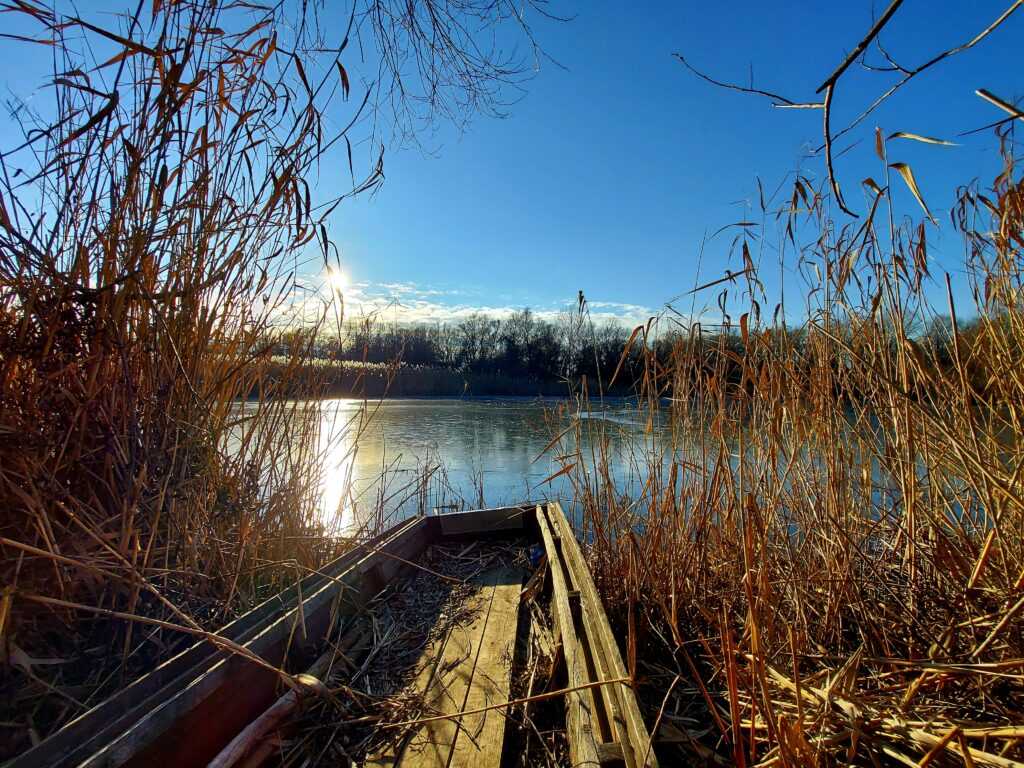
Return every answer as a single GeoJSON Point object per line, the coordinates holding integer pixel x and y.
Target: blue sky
{"type": "Point", "coordinates": [608, 173]}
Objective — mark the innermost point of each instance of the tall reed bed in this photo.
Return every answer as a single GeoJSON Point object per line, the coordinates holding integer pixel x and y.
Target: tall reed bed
{"type": "Point", "coordinates": [826, 563]}
{"type": "Point", "coordinates": [150, 232]}
{"type": "Point", "coordinates": [161, 216]}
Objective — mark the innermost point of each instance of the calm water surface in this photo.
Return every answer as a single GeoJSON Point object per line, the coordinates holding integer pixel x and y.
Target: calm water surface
{"type": "Point", "coordinates": [381, 461]}
{"type": "Point", "coordinates": [404, 456]}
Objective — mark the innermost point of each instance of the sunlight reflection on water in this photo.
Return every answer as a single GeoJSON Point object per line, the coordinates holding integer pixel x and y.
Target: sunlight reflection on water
{"type": "Point", "coordinates": [382, 461]}
{"type": "Point", "coordinates": [408, 456]}
{"type": "Point", "coordinates": [337, 446]}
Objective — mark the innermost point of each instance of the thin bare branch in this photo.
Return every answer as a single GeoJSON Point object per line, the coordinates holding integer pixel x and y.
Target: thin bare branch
{"type": "Point", "coordinates": [861, 46]}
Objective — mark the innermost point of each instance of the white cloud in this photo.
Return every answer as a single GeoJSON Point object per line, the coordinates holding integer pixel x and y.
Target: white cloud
{"type": "Point", "coordinates": [410, 303]}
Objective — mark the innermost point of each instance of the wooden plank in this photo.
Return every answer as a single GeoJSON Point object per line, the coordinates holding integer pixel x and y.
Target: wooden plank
{"type": "Point", "coordinates": [433, 743]}
{"type": "Point", "coordinates": [579, 707]}
{"type": "Point", "coordinates": [611, 696]}
{"type": "Point", "coordinates": [615, 733]}
{"type": "Point", "coordinates": [480, 742]}
{"type": "Point", "coordinates": [481, 521]}
{"type": "Point", "coordinates": [634, 737]}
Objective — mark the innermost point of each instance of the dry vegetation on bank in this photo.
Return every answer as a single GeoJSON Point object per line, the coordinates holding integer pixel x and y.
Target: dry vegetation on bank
{"type": "Point", "coordinates": [155, 214]}
{"type": "Point", "coordinates": [826, 565]}
{"type": "Point", "coordinates": [353, 379]}
{"type": "Point", "coordinates": [135, 230]}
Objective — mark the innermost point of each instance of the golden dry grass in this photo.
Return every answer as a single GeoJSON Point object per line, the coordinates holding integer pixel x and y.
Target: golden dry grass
{"type": "Point", "coordinates": [149, 234]}
{"type": "Point", "coordinates": [160, 215]}
{"type": "Point", "coordinates": [826, 561]}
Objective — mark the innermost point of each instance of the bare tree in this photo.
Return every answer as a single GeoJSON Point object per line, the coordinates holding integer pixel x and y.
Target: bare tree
{"type": "Point", "coordinates": [446, 58]}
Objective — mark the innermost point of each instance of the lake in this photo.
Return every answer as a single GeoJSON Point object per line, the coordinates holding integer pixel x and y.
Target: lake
{"type": "Point", "coordinates": [405, 456]}
{"type": "Point", "coordinates": [381, 461]}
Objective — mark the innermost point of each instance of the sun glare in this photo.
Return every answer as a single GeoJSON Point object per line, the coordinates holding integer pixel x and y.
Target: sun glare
{"type": "Point", "coordinates": [337, 280]}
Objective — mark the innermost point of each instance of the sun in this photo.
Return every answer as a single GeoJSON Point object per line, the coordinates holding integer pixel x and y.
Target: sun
{"type": "Point", "coordinates": [337, 280]}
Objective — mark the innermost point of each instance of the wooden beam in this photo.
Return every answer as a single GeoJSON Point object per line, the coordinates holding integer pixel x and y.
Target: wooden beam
{"type": "Point", "coordinates": [482, 737]}
{"type": "Point", "coordinates": [579, 705]}
{"type": "Point", "coordinates": [466, 670]}
{"type": "Point", "coordinates": [631, 731]}
{"type": "Point", "coordinates": [431, 746]}
{"type": "Point", "coordinates": [481, 521]}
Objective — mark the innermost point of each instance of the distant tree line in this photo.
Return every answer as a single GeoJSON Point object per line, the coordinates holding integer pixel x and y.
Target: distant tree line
{"type": "Point", "coordinates": [526, 354]}
{"type": "Point", "coordinates": [521, 345]}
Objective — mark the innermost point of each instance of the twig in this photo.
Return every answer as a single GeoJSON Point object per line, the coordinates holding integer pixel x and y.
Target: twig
{"type": "Point", "coordinates": [742, 89]}
{"type": "Point", "coordinates": [861, 46]}
{"type": "Point", "coordinates": [827, 131]}
{"type": "Point", "coordinates": [657, 720]}
{"type": "Point", "coordinates": [910, 74]}
{"type": "Point", "coordinates": [423, 568]}
{"type": "Point", "coordinates": [828, 86]}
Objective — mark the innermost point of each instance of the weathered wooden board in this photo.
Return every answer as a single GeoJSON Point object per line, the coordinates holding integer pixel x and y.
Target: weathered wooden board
{"type": "Point", "coordinates": [482, 521]}
{"type": "Point", "coordinates": [195, 718]}
{"type": "Point", "coordinates": [580, 707]}
{"type": "Point", "coordinates": [467, 669]}
{"type": "Point", "coordinates": [432, 745]}
{"type": "Point", "coordinates": [480, 743]}
{"type": "Point", "coordinates": [629, 733]}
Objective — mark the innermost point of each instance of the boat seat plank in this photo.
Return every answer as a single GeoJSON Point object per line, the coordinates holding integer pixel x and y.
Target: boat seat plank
{"type": "Point", "coordinates": [470, 667]}
{"type": "Point", "coordinates": [483, 734]}
{"type": "Point", "coordinates": [432, 744]}
{"type": "Point", "coordinates": [489, 521]}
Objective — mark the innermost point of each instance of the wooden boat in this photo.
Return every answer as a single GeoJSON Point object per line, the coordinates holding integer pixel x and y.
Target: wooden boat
{"type": "Point", "coordinates": [216, 706]}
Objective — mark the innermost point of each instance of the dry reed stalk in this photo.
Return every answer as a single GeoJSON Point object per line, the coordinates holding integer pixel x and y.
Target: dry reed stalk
{"type": "Point", "coordinates": [159, 462]}
{"type": "Point", "coordinates": [839, 499]}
